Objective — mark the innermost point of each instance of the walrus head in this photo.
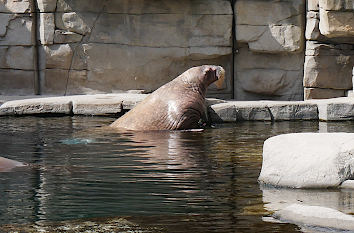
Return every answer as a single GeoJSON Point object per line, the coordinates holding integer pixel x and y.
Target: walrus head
{"type": "Point", "coordinates": [205, 75]}
{"type": "Point", "coordinates": [213, 74]}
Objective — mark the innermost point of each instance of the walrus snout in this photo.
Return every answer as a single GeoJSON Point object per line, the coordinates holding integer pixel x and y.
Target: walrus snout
{"type": "Point", "coordinates": [220, 73]}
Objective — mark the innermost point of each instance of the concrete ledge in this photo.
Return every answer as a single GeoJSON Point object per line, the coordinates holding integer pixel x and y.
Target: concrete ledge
{"type": "Point", "coordinates": [337, 109]}
{"type": "Point", "coordinates": [233, 111]}
{"type": "Point", "coordinates": [52, 105]}
{"type": "Point", "coordinates": [100, 104]}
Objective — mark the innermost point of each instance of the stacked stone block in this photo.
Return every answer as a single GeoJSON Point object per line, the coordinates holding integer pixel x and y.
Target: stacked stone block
{"type": "Point", "coordinates": [270, 49]}
{"type": "Point", "coordinates": [90, 46]}
{"type": "Point", "coordinates": [16, 48]}
{"type": "Point", "coordinates": [329, 48]}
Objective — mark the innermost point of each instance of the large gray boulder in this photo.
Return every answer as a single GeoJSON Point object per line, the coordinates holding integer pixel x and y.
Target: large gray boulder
{"type": "Point", "coordinates": [308, 160]}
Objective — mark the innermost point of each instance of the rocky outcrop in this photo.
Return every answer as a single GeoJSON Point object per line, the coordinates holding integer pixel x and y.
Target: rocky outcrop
{"type": "Point", "coordinates": [308, 160]}
{"type": "Point", "coordinates": [329, 48]}
{"type": "Point", "coordinates": [269, 59]}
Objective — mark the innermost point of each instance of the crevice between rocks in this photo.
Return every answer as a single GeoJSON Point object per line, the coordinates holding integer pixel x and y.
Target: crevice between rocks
{"type": "Point", "coordinates": [233, 47]}
{"type": "Point", "coordinates": [87, 37]}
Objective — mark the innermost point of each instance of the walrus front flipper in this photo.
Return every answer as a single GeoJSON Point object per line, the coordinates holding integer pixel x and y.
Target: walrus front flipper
{"type": "Point", "coordinates": [7, 165]}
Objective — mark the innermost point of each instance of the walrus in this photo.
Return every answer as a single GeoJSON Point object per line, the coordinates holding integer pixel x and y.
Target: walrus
{"type": "Point", "coordinates": [177, 105]}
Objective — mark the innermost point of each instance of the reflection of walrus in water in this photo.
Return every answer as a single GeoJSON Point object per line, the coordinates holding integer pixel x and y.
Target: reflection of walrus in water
{"type": "Point", "coordinates": [9, 164]}
{"type": "Point", "coordinates": [179, 104]}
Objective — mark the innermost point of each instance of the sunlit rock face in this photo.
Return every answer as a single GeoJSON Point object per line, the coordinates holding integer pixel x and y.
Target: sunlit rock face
{"type": "Point", "coordinates": [119, 45]}
{"type": "Point", "coordinates": [90, 47]}
{"type": "Point", "coordinates": [270, 56]}
{"type": "Point", "coordinates": [329, 48]}
{"type": "Point", "coordinates": [308, 160]}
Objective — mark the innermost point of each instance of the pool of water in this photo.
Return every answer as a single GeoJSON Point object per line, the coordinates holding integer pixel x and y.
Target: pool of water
{"type": "Point", "coordinates": [176, 181]}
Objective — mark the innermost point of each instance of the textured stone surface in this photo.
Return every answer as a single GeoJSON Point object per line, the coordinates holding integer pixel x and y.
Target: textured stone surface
{"type": "Point", "coordinates": [57, 56]}
{"type": "Point", "coordinates": [277, 39]}
{"type": "Point", "coordinates": [15, 6]}
{"type": "Point", "coordinates": [322, 93]}
{"type": "Point", "coordinates": [46, 28]}
{"type": "Point", "coordinates": [312, 5]}
{"type": "Point", "coordinates": [247, 60]}
{"type": "Point", "coordinates": [47, 5]}
{"type": "Point", "coordinates": [270, 82]}
{"type": "Point", "coordinates": [268, 76]}
{"type": "Point", "coordinates": [328, 66]}
{"type": "Point", "coordinates": [205, 7]}
{"type": "Point", "coordinates": [137, 70]}
{"type": "Point", "coordinates": [264, 110]}
{"type": "Point", "coordinates": [239, 111]}
{"type": "Point", "coordinates": [307, 160]}
{"type": "Point", "coordinates": [55, 81]}
{"type": "Point", "coordinates": [248, 12]}
{"type": "Point", "coordinates": [54, 105]}
{"type": "Point", "coordinates": [4, 22]}
{"type": "Point", "coordinates": [348, 184]}
{"type": "Point", "coordinates": [19, 57]}
{"type": "Point", "coordinates": [156, 31]}
{"type": "Point", "coordinates": [80, 23]}
{"type": "Point", "coordinates": [337, 23]}
{"type": "Point", "coordinates": [222, 112]}
{"type": "Point", "coordinates": [63, 37]}
{"type": "Point", "coordinates": [16, 81]}
{"type": "Point", "coordinates": [336, 5]}
{"type": "Point", "coordinates": [293, 111]}
{"type": "Point", "coordinates": [105, 104]}
{"type": "Point", "coordinates": [338, 110]}
{"type": "Point", "coordinates": [312, 26]}
{"type": "Point", "coordinates": [18, 31]}
{"type": "Point", "coordinates": [279, 32]}
{"type": "Point", "coordinates": [97, 106]}
{"type": "Point", "coordinates": [314, 48]}
{"type": "Point", "coordinates": [13, 57]}
{"type": "Point", "coordinates": [328, 71]}
{"type": "Point", "coordinates": [269, 57]}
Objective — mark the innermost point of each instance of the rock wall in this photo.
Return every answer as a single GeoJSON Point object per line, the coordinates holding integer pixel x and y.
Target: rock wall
{"type": "Point", "coordinates": [108, 46]}
{"type": "Point", "coordinates": [270, 49]}
{"type": "Point", "coordinates": [329, 48]}
{"type": "Point", "coordinates": [16, 48]}
{"type": "Point", "coordinates": [90, 46]}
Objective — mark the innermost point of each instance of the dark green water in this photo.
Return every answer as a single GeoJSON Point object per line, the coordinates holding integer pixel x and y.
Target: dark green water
{"type": "Point", "coordinates": [177, 181]}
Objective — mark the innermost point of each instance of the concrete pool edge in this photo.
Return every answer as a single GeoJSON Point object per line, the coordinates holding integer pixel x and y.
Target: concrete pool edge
{"type": "Point", "coordinates": [336, 109]}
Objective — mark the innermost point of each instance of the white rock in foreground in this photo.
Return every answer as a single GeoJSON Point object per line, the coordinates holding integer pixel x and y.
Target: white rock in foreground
{"type": "Point", "coordinates": [316, 216]}
{"type": "Point", "coordinates": [308, 160]}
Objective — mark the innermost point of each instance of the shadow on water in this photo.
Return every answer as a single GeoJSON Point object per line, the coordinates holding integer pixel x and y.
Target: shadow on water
{"type": "Point", "coordinates": [176, 181]}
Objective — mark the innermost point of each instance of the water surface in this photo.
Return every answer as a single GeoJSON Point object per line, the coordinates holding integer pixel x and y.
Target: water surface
{"type": "Point", "coordinates": [176, 181]}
